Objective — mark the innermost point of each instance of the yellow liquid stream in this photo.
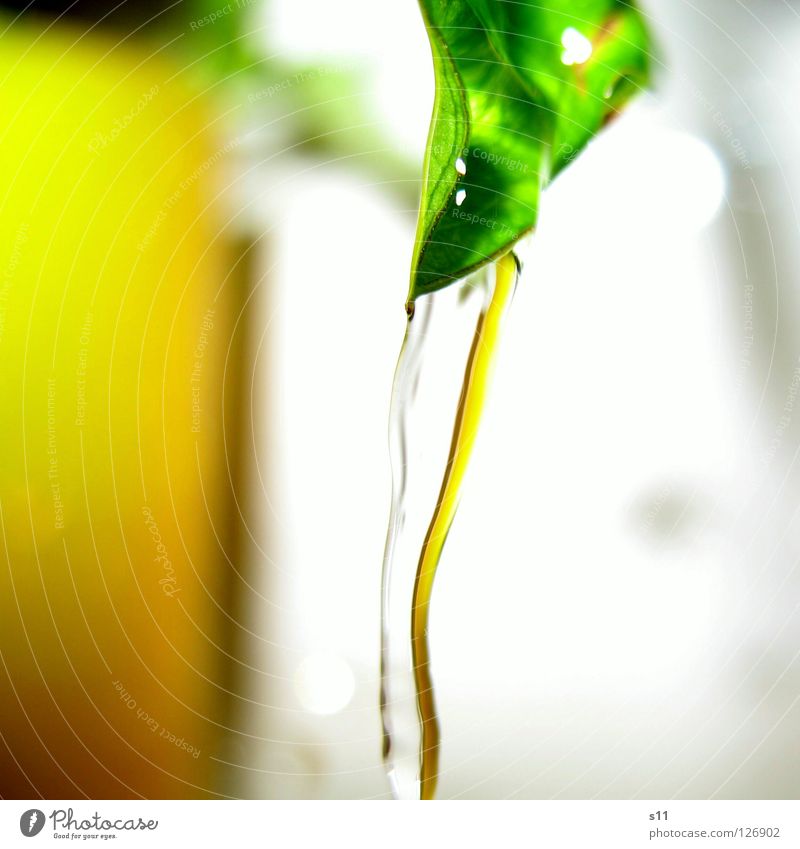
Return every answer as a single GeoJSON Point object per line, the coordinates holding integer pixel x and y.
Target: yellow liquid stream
{"type": "Point", "coordinates": [470, 408]}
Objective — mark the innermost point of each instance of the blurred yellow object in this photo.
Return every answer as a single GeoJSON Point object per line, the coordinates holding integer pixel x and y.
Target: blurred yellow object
{"type": "Point", "coordinates": [116, 502]}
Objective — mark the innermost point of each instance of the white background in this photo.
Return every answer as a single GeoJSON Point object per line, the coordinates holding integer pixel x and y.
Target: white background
{"type": "Point", "coordinates": [616, 613]}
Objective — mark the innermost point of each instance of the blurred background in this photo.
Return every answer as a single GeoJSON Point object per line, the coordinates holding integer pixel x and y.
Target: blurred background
{"type": "Point", "coordinates": [208, 214]}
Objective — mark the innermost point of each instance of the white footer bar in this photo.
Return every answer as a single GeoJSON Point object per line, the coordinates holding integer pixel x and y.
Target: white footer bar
{"type": "Point", "coordinates": [404, 825]}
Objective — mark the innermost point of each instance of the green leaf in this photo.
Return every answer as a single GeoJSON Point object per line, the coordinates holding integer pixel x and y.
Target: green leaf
{"type": "Point", "coordinates": [521, 87]}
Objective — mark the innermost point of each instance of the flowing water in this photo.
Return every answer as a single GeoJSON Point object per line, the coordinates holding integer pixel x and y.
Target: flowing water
{"type": "Point", "coordinates": [429, 461]}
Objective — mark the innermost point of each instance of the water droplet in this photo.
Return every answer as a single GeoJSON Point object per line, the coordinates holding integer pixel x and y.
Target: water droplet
{"type": "Point", "coordinates": [577, 47]}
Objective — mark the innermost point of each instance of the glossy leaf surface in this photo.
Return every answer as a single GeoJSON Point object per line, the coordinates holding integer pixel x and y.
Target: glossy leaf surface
{"type": "Point", "coordinates": [521, 87]}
